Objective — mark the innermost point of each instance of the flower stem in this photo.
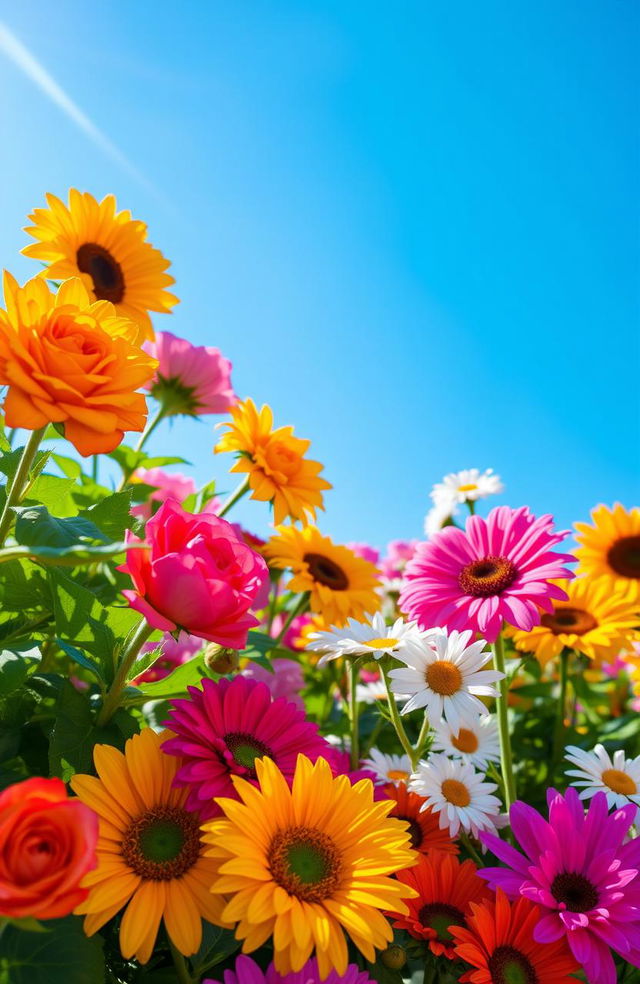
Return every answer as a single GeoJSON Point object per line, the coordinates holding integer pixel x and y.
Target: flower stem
{"type": "Point", "coordinates": [16, 490]}
{"type": "Point", "coordinates": [112, 700]}
{"type": "Point", "coordinates": [233, 498]}
{"type": "Point", "coordinates": [300, 606]}
{"type": "Point", "coordinates": [393, 711]}
{"type": "Point", "coordinates": [353, 713]}
{"type": "Point", "coordinates": [506, 759]}
{"type": "Point", "coordinates": [422, 738]}
{"type": "Point", "coordinates": [182, 973]}
{"type": "Point", "coordinates": [151, 426]}
{"type": "Point", "coordinates": [558, 738]}
{"type": "Point", "coordinates": [471, 849]}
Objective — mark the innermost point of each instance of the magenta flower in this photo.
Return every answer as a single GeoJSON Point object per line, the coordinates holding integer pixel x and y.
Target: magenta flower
{"type": "Point", "coordinates": [191, 379]}
{"type": "Point", "coordinates": [497, 569]}
{"type": "Point", "coordinates": [167, 486]}
{"type": "Point", "coordinates": [366, 552]}
{"type": "Point", "coordinates": [247, 971]}
{"type": "Point", "coordinates": [222, 729]}
{"type": "Point", "coordinates": [399, 553]}
{"type": "Point", "coordinates": [285, 681]}
{"type": "Point", "coordinates": [581, 873]}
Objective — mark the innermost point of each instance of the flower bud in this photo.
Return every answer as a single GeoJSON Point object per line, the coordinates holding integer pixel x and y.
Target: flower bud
{"type": "Point", "coordinates": [218, 659]}
{"type": "Point", "coordinates": [394, 957]}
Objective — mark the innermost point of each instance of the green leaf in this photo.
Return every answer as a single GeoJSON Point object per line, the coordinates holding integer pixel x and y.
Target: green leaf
{"type": "Point", "coordinates": [111, 514]}
{"type": "Point", "coordinates": [82, 659]}
{"type": "Point", "coordinates": [82, 621]}
{"type": "Point", "coordinates": [36, 527]}
{"type": "Point", "coordinates": [144, 661]}
{"type": "Point", "coordinates": [9, 463]}
{"type": "Point", "coordinates": [15, 666]}
{"type": "Point", "coordinates": [54, 493]}
{"type": "Point", "coordinates": [217, 944]}
{"type": "Point", "coordinates": [259, 641]}
{"type": "Point", "coordinates": [23, 587]}
{"type": "Point", "coordinates": [74, 733]}
{"type": "Point", "coordinates": [75, 556]}
{"type": "Point", "coordinates": [187, 675]}
{"type": "Point", "coordinates": [129, 460]}
{"type": "Point", "coordinates": [63, 955]}
{"type": "Point", "coordinates": [68, 466]}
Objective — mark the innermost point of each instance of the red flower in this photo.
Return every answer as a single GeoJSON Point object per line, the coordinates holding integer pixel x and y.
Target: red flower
{"type": "Point", "coordinates": [47, 845]}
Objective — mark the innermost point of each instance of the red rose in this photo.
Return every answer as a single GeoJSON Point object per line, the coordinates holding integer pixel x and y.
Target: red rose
{"type": "Point", "coordinates": [47, 845]}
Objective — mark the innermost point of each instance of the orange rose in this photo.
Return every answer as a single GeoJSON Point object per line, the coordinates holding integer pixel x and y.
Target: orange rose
{"type": "Point", "coordinates": [47, 846]}
{"type": "Point", "coordinates": [66, 360]}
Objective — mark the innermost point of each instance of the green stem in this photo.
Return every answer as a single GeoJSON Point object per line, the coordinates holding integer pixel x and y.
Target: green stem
{"type": "Point", "coordinates": [273, 598]}
{"type": "Point", "coordinates": [393, 711]}
{"type": "Point", "coordinates": [422, 738]}
{"type": "Point", "coordinates": [182, 973]}
{"type": "Point", "coordinates": [151, 426]}
{"type": "Point", "coordinates": [506, 759]}
{"type": "Point", "coordinates": [471, 849]}
{"type": "Point", "coordinates": [94, 469]}
{"type": "Point", "coordinates": [112, 700]}
{"type": "Point", "coordinates": [300, 606]}
{"type": "Point", "coordinates": [353, 713]}
{"type": "Point", "coordinates": [233, 498]}
{"type": "Point", "coordinates": [558, 737]}
{"type": "Point", "coordinates": [15, 491]}
{"type": "Point", "coordinates": [472, 506]}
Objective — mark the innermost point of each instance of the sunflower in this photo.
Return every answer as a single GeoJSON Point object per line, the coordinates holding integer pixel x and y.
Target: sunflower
{"type": "Point", "coordinates": [149, 851]}
{"type": "Point", "coordinates": [500, 945]}
{"type": "Point", "coordinates": [611, 547]}
{"type": "Point", "coordinates": [107, 250]}
{"type": "Point", "coordinates": [275, 462]}
{"type": "Point", "coordinates": [595, 620]}
{"type": "Point", "coordinates": [424, 829]}
{"type": "Point", "coordinates": [444, 890]}
{"type": "Point", "coordinates": [342, 585]}
{"type": "Point", "coordinates": [304, 865]}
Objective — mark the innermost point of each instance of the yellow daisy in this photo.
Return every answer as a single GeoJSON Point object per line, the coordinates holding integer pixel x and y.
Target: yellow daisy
{"type": "Point", "coordinates": [594, 620]}
{"type": "Point", "coordinates": [307, 864]}
{"type": "Point", "coordinates": [275, 462]}
{"type": "Point", "coordinates": [341, 584]}
{"type": "Point", "coordinates": [107, 250]}
{"type": "Point", "coordinates": [611, 547]}
{"type": "Point", "coordinates": [150, 855]}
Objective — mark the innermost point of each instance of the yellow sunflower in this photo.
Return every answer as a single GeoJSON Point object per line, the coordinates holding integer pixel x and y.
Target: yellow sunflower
{"type": "Point", "coordinates": [275, 462]}
{"type": "Point", "coordinates": [150, 854]}
{"type": "Point", "coordinates": [341, 584]}
{"type": "Point", "coordinates": [304, 865]}
{"type": "Point", "coordinates": [611, 547]}
{"type": "Point", "coordinates": [107, 250]}
{"type": "Point", "coordinates": [594, 620]}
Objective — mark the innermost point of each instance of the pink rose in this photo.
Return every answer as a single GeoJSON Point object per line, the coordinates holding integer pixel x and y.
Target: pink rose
{"type": "Point", "coordinates": [195, 573]}
{"type": "Point", "coordinates": [191, 379]}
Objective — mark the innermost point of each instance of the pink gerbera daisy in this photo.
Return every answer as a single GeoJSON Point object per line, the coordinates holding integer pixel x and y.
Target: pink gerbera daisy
{"type": "Point", "coordinates": [222, 729]}
{"type": "Point", "coordinates": [497, 569]}
{"type": "Point", "coordinates": [247, 971]}
{"type": "Point", "coordinates": [581, 873]}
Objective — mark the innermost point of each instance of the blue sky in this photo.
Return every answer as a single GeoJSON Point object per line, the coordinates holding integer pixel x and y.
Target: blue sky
{"type": "Point", "coordinates": [412, 227]}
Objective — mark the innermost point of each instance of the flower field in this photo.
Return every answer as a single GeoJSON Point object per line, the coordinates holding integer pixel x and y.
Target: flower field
{"type": "Point", "coordinates": [226, 760]}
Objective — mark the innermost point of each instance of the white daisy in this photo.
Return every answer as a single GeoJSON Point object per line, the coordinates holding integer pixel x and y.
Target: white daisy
{"type": "Point", "coordinates": [443, 674]}
{"type": "Point", "coordinates": [458, 793]}
{"type": "Point", "coordinates": [388, 768]}
{"type": "Point", "coordinates": [372, 692]}
{"type": "Point", "coordinates": [468, 485]}
{"type": "Point", "coordinates": [597, 772]}
{"type": "Point", "coordinates": [372, 637]}
{"type": "Point", "coordinates": [437, 517]}
{"type": "Point", "coordinates": [476, 741]}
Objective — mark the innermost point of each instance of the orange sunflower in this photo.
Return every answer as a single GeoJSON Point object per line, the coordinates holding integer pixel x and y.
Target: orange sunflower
{"type": "Point", "coordinates": [107, 249]}
{"type": "Point", "coordinates": [498, 942]}
{"type": "Point", "coordinates": [150, 856]}
{"type": "Point", "coordinates": [424, 830]}
{"type": "Point", "coordinates": [445, 889]}
{"type": "Point", "coordinates": [275, 462]}
{"type": "Point", "coordinates": [611, 548]}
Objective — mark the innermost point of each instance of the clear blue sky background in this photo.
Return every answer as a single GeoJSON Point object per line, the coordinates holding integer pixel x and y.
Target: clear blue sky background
{"type": "Point", "coordinates": [413, 227]}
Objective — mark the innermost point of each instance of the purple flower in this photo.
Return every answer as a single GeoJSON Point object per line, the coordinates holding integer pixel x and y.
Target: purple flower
{"type": "Point", "coordinates": [579, 870]}
{"type": "Point", "coordinates": [246, 971]}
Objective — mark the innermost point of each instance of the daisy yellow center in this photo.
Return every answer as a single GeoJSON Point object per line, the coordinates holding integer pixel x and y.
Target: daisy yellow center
{"type": "Point", "coordinates": [325, 571]}
{"type": "Point", "coordinates": [465, 741]}
{"type": "Point", "coordinates": [509, 966]}
{"type": "Point", "coordinates": [488, 576]}
{"type": "Point", "coordinates": [467, 488]}
{"type": "Point", "coordinates": [162, 844]}
{"type": "Point", "coordinates": [382, 643]}
{"type": "Point", "coordinates": [455, 792]}
{"type": "Point", "coordinates": [438, 916]}
{"type": "Point", "coordinates": [624, 556]}
{"type": "Point", "coordinates": [104, 270]}
{"type": "Point", "coordinates": [246, 749]}
{"type": "Point", "coordinates": [569, 620]}
{"type": "Point", "coordinates": [573, 891]}
{"type": "Point", "coordinates": [443, 677]}
{"type": "Point", "coordinates": [619, 782]}
{"type": "Point", "coordinates": [305, 862]}
{"type": "Point", "coordinates": [399, 775]}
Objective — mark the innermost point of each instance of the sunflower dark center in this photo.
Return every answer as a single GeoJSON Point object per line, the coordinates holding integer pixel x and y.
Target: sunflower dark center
{"type": "Point", "coordinates": [305, 862]}
{"type": "Point", "coordinates": [438, 916]}
{"type": "Point", "coordinates": [575, 892]}
{"type": "Point", "coordinates": [162, 844]}
{"type": "Point", "coordinates": [509, 966]}
{"type": "Point", "coordinates": [565, 620]}
{"type": "Point", "coordinates": [414, 829]}
{"type": "Point", "coordinates": [246, 749]}
{"type": "Point", "coordinates": [488, 576]}
{"type": "Point", "coordinates": [104, 270]}
{"type": "Point", "coordinates": [624, 556]}
{"type": "Point", "coordinates": [326, 571]}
